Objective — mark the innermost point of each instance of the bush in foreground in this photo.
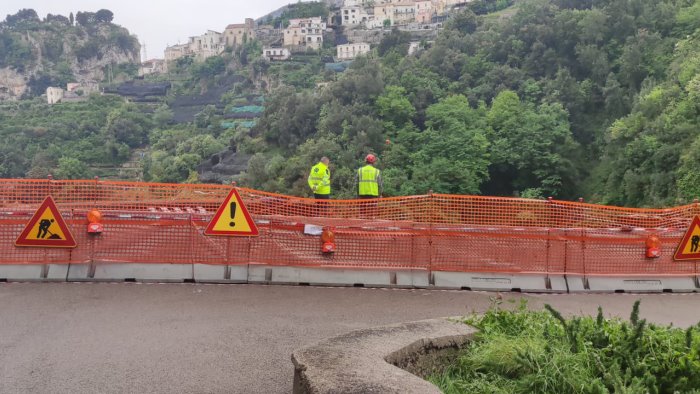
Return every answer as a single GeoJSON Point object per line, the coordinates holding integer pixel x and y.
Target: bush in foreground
{"type": "Point", "coordinates": [522, 351]}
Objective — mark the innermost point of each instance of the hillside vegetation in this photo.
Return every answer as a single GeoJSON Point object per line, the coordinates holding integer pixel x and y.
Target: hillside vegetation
{"type": "Point", "coordinates": [61, 49]}
{"type": "Point", "coordinates": [563, 99]}
{"type": "Point", "coordinates": [592, 98]}
{"type": "Point", "coordinates": [523, 351]}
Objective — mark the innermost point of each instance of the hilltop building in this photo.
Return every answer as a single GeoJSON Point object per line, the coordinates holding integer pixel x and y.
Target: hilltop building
{"type": "Point", "coordinates": [305, 33]}
{"type": "Point", "coordinates": [201, 47]}
{"type": "Point", "coordinates": [372, 14]}
{"type": "Point", "coordinates": [237, 34]}
{"type": "Point", "coordinates": [176, 51]}
{"type": "Point", "coordinates": [354, 15]}
{"type": "Point", "coordinates": [207, 45]}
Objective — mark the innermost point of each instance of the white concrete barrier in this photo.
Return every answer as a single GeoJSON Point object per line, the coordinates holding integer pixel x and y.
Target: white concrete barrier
{"type": "Point", "coordinates": [22, 272]}
{"type": "Point", "coordinates": [143, 272]}
{"type": "Point", "coordinates": [57, 272]}
{"type": "Point", "coordinates": [79, 272]}
{"type": "Point", "coordinates": [34, 272]}
{"type": "Point", "coordinates": [499, 282]}
{"type": "Point", "coordinates": [261, 273]}
{"type": "Point", "coordinates": [220, 273]}
{"type": "Point", "coordinates": [632, 284]}
{"type": "Point", "coordinates": [331, 276]}
{"type": "Point", "coordinates": [413, 278]}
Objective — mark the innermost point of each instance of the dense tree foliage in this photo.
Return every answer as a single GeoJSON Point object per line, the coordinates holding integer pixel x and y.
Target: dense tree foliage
{"type": "Point", "coordinates": [296, 10]}
{"type": "Point", "coordinates": [46, 50]}
{"type": "Point", "coordinates": [545, 98]}
{"type": "Point", "coordinates": [65, 139]}
{"type": "Point", "coordinates": [534, 98]}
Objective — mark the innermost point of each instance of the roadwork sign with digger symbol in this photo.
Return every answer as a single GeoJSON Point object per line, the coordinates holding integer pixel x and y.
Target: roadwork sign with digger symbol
{"type": "Point", "coordinates": [46, 229]}
{"type": "Point", "coordinates": [689, 248]}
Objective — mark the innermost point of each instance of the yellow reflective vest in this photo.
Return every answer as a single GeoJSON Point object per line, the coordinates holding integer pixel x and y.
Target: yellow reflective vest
{"type": "Point", "coordinates": [320, 177]}
{"type": "Point", "coordinates": [368, 180]}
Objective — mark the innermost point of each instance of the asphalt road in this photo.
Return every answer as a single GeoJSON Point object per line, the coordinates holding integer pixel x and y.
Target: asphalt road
{"type": "Point", "coordinates": [192, 338]}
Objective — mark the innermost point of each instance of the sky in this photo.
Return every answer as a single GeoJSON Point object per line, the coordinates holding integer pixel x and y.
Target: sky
{"type": "Point", "coordinates": [158, 23]}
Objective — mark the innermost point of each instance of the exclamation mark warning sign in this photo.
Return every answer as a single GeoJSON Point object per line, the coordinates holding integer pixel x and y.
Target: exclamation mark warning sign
{"type": "Point", "coordinates": [232, 218]}
{"type": "Point", "coordinates": [232, 212]}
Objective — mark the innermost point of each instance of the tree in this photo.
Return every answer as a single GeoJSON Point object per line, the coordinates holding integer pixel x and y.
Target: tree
{"type": "Point", "coordinates": [71, 168]}
{"type": "Point", "coordinates": [396, 39]}
{"type": "Point", "coordinates": [212, 66]}
{"type": "Point", "coordinates": [104, 16]}
{"type": "Point", "coordinates": [163, 115]}
{"type": "Point", "coordinates": [464, 21]}
{"type": "Point", "coordinates": [203, 146]}
{"type": "Point", "coordinates": [57, 18]}
{"type": "Point", "coordinates": [22, 16]}
{"type": "Point", "coordinates": [394, 106]}
{"type": "Point", "coordinates": [85, 19]}
{"type": "Point", "coordinates": [532, 148]}
{"type": "Point", "coordinates": [127, 125]}
{"type": "Point", "coordinates": [71, 18]}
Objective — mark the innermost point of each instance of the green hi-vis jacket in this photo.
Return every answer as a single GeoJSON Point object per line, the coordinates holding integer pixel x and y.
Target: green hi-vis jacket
{"type": "Point", "coordinates": [320, 177]}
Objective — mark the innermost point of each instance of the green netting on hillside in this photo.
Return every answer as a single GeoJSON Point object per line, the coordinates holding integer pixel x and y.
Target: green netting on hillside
{"type": "Point", "coordinates": [338, 67]}
{"type": "Point", "coordinates": [257, 109]}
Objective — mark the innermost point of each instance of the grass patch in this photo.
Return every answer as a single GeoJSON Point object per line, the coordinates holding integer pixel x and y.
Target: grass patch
{"type": "Point", "coordinates": [523, 351]}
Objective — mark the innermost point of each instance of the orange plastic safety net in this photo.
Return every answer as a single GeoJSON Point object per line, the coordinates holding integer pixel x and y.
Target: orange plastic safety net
{"type": "Point", "coordinates": [164, 223]}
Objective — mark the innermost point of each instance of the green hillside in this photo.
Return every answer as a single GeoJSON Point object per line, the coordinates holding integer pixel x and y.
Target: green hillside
{"type": "Point", "coordinates": [558, 98]}
{"type": "Point", "coordinates": [593, 98]}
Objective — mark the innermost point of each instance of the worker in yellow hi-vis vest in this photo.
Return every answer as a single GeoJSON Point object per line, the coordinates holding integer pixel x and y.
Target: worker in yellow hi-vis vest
{"type": "Point", "coordinates": [320, 179]}
{"type": "Point", "coordinates": [320, 184]}
{"type": "Point", "coordinates": [369, 185]}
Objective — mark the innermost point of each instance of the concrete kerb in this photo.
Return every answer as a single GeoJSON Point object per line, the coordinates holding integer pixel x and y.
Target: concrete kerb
{"type": "Point", "coordinates": [330, 276]}
{"type": "Point", "coordinates": [536, 283]}
{"type": "Point", "coordinates": [205, 273]}
{"type": "Point", "coordinates": [338, 276]}
{"type": "Point", "coordinates": [34, 272]}
{"type": "Point", "coordinates": [632, 284]}
{"type": "Point", "coordinates": [368, 360]}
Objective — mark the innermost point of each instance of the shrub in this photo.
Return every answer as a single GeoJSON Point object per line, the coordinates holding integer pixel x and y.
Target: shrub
{"type": "Point", "coordinates": [521, 351]}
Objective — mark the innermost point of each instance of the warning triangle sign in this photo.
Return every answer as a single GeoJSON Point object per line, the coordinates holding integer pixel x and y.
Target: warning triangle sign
{"type": "Point", "coordinates": [46, 229]}
{"type": "Point", "coordinates": [689, 248]}
{"type": "Point", "coordinates": [232, 219]}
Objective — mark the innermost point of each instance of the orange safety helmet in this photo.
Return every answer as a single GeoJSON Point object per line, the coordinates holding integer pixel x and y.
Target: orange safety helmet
{"type": "Point", "coordinates": [371, 158]}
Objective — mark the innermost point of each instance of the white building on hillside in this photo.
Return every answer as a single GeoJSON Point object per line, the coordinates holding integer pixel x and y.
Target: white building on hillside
{"type": "Point", "coordinates": [276, 53]}
{"type": "Point", "coordinates": [153, 66]}
{"type": "Point", "coordinates": [350, 51]}
{"type": "Point", "coordinates": [353, 15]}
{"type": "Point", "coordinates": [208, 44]}
{"type": "Point", "coordinates": [175, 52]}
{"type": "Point", "coordinates": [305, 32]}
{"type": "Point", "coordinates": [54, 95]}
{"type": "Point", "coordinates": [404, 13]}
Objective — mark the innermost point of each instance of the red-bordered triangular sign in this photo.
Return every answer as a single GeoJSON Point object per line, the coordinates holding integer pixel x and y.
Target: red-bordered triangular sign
{"type": "Point", "coordinates": [689, 248]}
{"type": "Point", "coordinates": [47, 229]}
{"type": "Point", "coordinates": [232, 219]}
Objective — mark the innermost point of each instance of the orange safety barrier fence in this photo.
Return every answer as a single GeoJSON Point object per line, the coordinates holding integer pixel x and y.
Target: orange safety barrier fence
{"type": "Point", "coordinates": [164, 223]}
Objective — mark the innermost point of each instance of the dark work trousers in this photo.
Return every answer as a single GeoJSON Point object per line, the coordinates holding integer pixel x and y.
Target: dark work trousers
{"type": "Point", "coordinates": [322, 207]}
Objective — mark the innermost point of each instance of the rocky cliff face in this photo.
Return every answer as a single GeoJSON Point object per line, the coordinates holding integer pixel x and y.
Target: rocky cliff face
{"type": "Point", "coordinates": [35, 54]}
